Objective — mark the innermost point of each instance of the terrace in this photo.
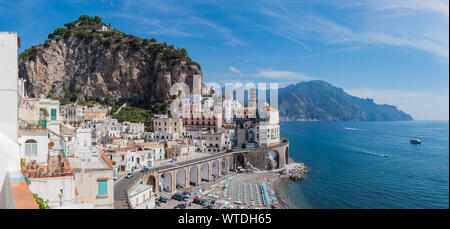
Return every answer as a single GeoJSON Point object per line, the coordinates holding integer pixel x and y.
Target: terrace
{"type": "Point", "coordinates": [57, 166]}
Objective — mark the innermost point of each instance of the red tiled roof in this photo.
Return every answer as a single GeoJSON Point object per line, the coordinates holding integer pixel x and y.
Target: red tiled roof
{"type": "Point", "coordinates": [106, 159]}
{"type": "Point", "coordinates": [270, 109]}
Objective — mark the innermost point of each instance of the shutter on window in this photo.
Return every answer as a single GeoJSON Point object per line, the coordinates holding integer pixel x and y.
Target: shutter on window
{"type": "Point", "coordinates": [102, 187]}
{"type": "Point", "coordinates": [53, 113]}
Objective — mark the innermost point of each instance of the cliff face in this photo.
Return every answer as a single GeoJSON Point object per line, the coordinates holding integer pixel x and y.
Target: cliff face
{"type": "Point", "coordinates": [85, 62]}
{"type": "Point", "coordinates": [321, 101]}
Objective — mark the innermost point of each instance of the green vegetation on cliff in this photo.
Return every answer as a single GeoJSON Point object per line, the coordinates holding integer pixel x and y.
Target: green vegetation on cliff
{"type": "Point", "coordinates": [86, 28]}
{"type": "Point", "coordinates": [136, 114]}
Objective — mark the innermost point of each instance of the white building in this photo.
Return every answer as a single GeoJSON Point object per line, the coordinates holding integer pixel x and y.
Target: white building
{"type": "Point", "coordinates": [141, 197]}
{"type": "Point", "coordinates": [9, 149]}
{"type": "Point", "coordinates": [34, 143]}
{"type": "Point", "coordinates": [104, 28]}
{"type": "Point", "coordinates": [94, 180]}
{"type": "Point", "coordinates": [215, 141]}
{"type": "Point", "coordinates": [268, 130]}
{"type": "Point", "coordinates": [83, 141]}
{"type": "Point", "coordinates": [59, 191]}
{"type": "Point", "coordinates": [154, 153]}
{"type": "Point", "coordinates": [181, 148]}
{"type": "Point", "coordinates": [127, 159]}
{"type": "Point", "coordinates": [161, 136]}
{"type": "Point", "coordinates": [133, 128]}
{"type": "Point", "coordinates": [229, 108]}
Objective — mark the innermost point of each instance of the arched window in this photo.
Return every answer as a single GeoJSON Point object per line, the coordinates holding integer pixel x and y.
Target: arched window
{"type": "Point", "coordinates": [30, 147]}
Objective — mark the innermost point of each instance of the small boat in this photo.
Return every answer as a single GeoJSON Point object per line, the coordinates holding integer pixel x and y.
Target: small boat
{"type": "Point", "coordinates": [415, 141]}
{"type": "Point", "coordinates": [386, 155]}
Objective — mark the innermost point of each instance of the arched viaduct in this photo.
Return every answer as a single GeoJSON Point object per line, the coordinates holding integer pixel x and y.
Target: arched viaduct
{"type": "Point", "coordinates": [190, 173]}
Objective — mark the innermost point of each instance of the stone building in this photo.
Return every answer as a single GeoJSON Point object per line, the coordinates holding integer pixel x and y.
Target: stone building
{"type": "Point", "coordinates": [167, 125]}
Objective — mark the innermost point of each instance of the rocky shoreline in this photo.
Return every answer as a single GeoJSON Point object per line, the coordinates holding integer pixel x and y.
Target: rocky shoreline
{"type": "Point", "coordinates": [296, 172]}
{"type": "Point", "coordinates": [293, 172]}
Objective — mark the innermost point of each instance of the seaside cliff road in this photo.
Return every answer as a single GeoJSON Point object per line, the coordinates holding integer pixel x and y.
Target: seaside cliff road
{"type": "Point", "coordinates": [121, 186]}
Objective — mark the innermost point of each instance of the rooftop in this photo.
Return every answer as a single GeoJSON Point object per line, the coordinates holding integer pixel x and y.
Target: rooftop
{"type": "Point", "coordinates": [138, 189]}
{"type": "Point", "coordinates": [91, 163]}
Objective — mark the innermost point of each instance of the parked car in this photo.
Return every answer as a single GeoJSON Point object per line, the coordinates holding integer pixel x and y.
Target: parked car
{"type": "Point", "coordinates": [178, 196]}
{"type": "Point", "coordinates": [158, 203]}
{"type": "Point", "coordinates": [163, 199]}
{"type": "Point", "coordinates": [129, 175]}
{"type": "Point", "coordinates": [202, 202]}
{"type": "Point", "coordinates": [210, 206]}
{"type": "Point", "coordinates": [186, 195]}
{"type": "Point", "coordinates": [115, 177]}
{"type": "Point", "coordinates": [180, 206]}
{"type": "Point", "coordinates": [145, 169]}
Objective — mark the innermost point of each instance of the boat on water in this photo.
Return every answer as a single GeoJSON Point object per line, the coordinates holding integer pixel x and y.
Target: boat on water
{"type": "Point", "coordinates": [415, 141]}
{"type": "Point", "coordinates": [386, 155]}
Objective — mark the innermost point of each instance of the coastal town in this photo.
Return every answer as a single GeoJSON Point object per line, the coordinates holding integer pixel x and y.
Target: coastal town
{"type": "Point", "coordinates": [76, 155]}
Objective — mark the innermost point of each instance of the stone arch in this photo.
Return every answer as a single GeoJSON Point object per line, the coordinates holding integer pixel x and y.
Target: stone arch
{"type": "Point", "coordinates": [273, 157]}
{"type": "Point", "coordinates": [231, 164]}
{"type": "Point", "coordinates": [224, 166]}
{"type": "Point", "coordinates": [286, 156]}
{"type": "Point", "coordinates": [180, 181]}
{"type": "Point", "coordinates": [166, 182]}
{"type": "Point", "coordinates": [152, 181]}
{"type": "Point", "coordinates": [205, 172]}
{"type": "Point", "coordinates": [240, 160]}
{"type": "Point", "coordinates": [215, 169]}
{"type": "Point", "coordinates": [193, 175]}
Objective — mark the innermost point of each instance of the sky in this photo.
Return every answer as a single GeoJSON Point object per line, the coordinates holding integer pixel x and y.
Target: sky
{"type": "Point", "coordinates": [394, 51]}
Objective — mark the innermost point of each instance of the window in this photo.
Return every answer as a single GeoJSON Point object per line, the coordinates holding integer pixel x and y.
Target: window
{"type": "Point", "coordinates": [102, 187]}
{"type": "Point", "coordinates": [53, 114]}
{"type": "Point", "coordinates": [30, 147]}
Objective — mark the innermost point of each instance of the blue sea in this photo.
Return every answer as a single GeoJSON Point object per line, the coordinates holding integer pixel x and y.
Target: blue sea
{"type": "Point", "coordinates": [347, 167]}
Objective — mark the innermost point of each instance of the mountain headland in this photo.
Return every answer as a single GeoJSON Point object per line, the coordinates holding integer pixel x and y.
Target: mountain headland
{"type": "Point", "coordinates": [320, 101]}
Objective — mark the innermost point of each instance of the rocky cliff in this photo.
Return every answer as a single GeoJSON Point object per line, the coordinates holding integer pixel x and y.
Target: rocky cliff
{"type": "Point", "coordinates": [88, 60]}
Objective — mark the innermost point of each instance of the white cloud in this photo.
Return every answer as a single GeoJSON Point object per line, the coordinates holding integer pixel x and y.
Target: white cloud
{"type": "Point", "coordinates": [437, 6]}
{"type": "Point", "coordinates": [235, 70]}
{"type": "Point", "coordinates": [341, 34]}
{"type": "Point", "coordinates": [422, 106]}
{"type": "Point", "coordinates": [429, 33]}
